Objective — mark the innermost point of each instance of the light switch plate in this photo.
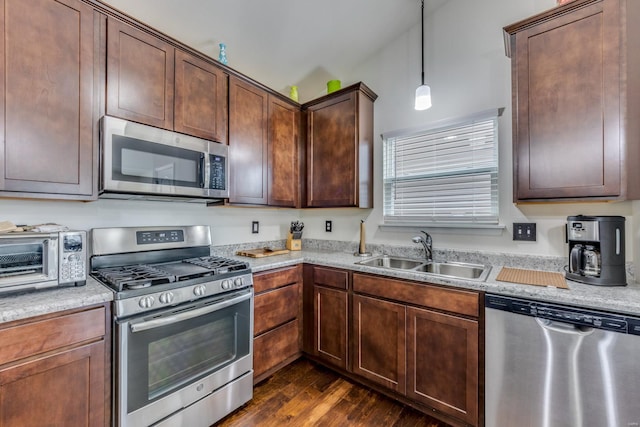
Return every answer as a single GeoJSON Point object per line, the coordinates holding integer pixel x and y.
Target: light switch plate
{"type": "Point", "coordinates": [524, 231]}
{"type": "Point", "coordinates": [255, 227]}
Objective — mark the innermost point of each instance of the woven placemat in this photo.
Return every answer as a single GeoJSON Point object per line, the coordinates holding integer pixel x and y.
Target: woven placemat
{"type": "Point", "coordinates": [532, 277]}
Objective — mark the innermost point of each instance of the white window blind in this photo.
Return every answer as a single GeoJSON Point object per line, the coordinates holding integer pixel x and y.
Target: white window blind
{"type": "Point", "coordinates": [443, 175]}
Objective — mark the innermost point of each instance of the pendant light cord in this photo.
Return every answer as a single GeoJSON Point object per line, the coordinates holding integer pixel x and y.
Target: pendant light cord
{"type": "Point", "coordinates": [422, 40]}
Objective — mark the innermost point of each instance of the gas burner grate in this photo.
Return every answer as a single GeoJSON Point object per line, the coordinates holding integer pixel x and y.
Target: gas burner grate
{"type": "Point", "coordinates": [134, 276]}
{"type": "Point", "coordinates": [219, 265]}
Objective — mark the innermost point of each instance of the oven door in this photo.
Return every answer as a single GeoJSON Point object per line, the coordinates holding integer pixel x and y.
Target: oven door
{"type": "Point", "coordinates": [169, 360]}
{"type": "Point", "coordinates": [28, 260]}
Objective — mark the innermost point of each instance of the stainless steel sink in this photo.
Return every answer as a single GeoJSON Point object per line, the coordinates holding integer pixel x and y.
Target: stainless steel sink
{"type": "Point", "coordinates": [459, 270]}
{"type": "Point", "coordinates": [456, 269]}
{"type": "Point", "coordinates": [392, 262]}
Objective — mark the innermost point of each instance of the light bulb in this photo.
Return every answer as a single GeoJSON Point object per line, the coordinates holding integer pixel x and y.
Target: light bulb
{"type": "Point", "coordinates": [423, 97]}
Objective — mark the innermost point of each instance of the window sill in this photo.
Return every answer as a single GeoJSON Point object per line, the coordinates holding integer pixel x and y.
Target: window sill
{"type": "Point", "coordinates": [479, 229]}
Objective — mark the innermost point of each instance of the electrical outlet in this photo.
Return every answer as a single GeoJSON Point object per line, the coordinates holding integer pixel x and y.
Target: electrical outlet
{"type": "Point", "coordinates": [524, 231]}
{"type": "Point", "coordinates": [328, 226]}
{"type": "Point", "coordinates": [255, 227]}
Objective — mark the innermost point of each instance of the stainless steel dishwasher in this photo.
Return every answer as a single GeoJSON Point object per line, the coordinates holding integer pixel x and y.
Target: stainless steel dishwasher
{"type": "Point", "coordinates": [550, 365]}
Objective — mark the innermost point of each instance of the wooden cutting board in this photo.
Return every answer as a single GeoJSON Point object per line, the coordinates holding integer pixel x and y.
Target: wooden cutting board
{"type": "Point", "coordinates": [262, 252]}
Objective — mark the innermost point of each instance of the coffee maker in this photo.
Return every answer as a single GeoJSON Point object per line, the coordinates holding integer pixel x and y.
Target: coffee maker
{"type": "Point", "coordinates": [596, 250]}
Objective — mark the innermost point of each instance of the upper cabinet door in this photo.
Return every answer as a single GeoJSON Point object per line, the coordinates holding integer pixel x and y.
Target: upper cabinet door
{"type": "Point", "coordinates": [567, 104]}
{"type": "Point", "coordinates": [284, 154]}
{"type": "Point", "coordinates": [140, 76]}
{"type": "Point", "coordinates": [248, 108]}
{"type": "Point", "coordinates": [201, 107]}
{"type": "Point", "coordinates": [49, 53]}
{"type": "Point", "coordinates": [340, 148]}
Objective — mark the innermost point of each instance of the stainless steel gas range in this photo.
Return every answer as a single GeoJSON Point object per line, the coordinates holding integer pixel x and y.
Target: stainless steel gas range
{"type": "Point", "coordinates": [183, 325]}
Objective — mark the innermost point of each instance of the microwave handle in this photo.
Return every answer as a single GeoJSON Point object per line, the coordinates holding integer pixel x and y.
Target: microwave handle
{"type": "Point", "coordinates": [185, 315]}
{"type": "Point", "coordinates": [201, 170]}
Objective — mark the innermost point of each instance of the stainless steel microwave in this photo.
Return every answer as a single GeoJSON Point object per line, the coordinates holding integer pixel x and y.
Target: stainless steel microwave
{"type": "Point", "coordinates": [146, 162]}
{"type": "Point", "coordinates": [33, 260]}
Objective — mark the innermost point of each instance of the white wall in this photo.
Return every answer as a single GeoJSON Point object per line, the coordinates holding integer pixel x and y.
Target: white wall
{"type": "Point", "coordinates": [466, 67]}
{"type": "Point", "coordinates": [467, 71]}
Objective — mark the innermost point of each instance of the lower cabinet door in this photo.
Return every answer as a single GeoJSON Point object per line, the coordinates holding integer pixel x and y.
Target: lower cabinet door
{"type": "Point", "coordinates": [442, 363]}
{"type": "Point", "coordinates": [63, 389]}
{"type": "Point", "coordinates": [379, 341]}
{"type": "Point", "coordinates": [330, 325]}
{"type": "Point", "coordinates": [274, 347]}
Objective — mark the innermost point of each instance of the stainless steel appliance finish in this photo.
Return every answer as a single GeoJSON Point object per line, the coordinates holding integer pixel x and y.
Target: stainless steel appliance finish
{"type": "Point", "coordinates": [551, 365]}
{"type": "Point", "coordinates": [183, 323]}
{"type": "Point", "coordinates": [596, 250]}
{"type": "Point", "coordinates": [34, 260]}
{"type": "Point", "coordinates": [139, 161]}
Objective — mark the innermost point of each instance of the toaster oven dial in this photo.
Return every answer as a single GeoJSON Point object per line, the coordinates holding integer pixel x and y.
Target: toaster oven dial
{"type": "Point", "coordinates": [166, 297]}
{"type": "Point", "coordinates": [146, 302]}
{"type": "Point", "coordinates": [199, 290]}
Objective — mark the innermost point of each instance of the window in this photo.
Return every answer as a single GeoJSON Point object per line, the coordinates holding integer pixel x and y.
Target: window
{"type": "Point", "coordinates": [443, 175]}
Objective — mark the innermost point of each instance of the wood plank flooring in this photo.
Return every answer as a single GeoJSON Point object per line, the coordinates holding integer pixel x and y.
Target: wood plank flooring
{"type": "Point", "coordinates": [307, 394]}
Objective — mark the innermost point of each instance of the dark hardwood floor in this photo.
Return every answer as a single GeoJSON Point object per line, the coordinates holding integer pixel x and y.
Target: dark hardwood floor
{"type": "Point", "coordinates": [307, 394]}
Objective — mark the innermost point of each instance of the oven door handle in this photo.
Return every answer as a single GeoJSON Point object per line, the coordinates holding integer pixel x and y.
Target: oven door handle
{"type": "Point", "coordinates": [165, 321]}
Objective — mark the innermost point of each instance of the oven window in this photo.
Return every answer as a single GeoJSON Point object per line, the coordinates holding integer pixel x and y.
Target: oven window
{"type": "Point", "coordinates": [175, 359]}
{"type": "Point", "coordinates": [135, 160]}
{"type": "Point", "coordinates": [21, 259]}
{"type": "Point", "coordinates": [166, 358]}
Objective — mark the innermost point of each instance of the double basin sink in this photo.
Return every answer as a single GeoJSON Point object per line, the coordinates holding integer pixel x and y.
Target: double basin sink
{"type": "Point", "coordinates": [458, 270]}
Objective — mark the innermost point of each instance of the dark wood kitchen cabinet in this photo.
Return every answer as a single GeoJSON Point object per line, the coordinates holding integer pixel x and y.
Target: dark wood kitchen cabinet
{"type": "Point", "coordinates": [152, 82]}
{"type": "Point", "coordinates": [575, 103]}
{"type": "Point", "coordinates": [420, 341]}
{"type": "Point", "coordinates": [264, 147]}
{"type": "Point", "coordinates": [50, 80]}
{"type": "Point", "coordinates": [339, 148]}
{"type": "Point", "coordinates": [277, 320]}
{"type": "Point", "coordinates": [54, 370]}
{"type": "Point", "coordinates": [326, 303]}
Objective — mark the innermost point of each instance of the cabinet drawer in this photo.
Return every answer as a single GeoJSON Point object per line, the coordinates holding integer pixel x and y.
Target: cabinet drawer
{"type": "Point", "coordinates": [276, 279]}
{"type": "Point", "coordinates": [331, 277]}
{"type": "Point", "coordinates": [38, 337]}
{"type": "Point", "coordinates": [275, 307]}
{"type": "Point", "coordinates": [275, 347]}
{"type": "Point", "coordinates": [453, 300]}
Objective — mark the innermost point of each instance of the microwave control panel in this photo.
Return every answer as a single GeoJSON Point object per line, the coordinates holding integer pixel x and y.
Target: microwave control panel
{"type": "Point", "coordinates": [73, 257]}
{"type": "Point", "coordinates": [217, 172]}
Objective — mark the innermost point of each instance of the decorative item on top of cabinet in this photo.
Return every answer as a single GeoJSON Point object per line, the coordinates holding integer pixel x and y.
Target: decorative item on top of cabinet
{"type": "Point", "coordinates": [340, 148]}
{"type": "Point", "coordinates": [61, 362]}
{"type": "Point", "coordinates": [50, 87]}
{"type": "Point", "coordinates": [150, 81]}
{"type": "Point", "coordinates": [277, 324]}
{"type": "Point", "coordinates": [264, 147]}
{"type": "Point", "coordinates": [576, 94]}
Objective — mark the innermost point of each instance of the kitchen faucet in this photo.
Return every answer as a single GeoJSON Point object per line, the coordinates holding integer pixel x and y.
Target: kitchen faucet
{"type": "Point", "coordinates": [427, 243]}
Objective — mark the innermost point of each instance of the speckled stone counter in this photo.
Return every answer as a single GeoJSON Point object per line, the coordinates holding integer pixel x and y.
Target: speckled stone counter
{"type": "Point", "coordinates": [34, 303]}
{"type": "Point", "coordinates": [615, 299]}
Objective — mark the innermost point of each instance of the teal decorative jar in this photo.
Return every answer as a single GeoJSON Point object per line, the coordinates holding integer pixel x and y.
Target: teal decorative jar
{"type": "Point", "coordinates": [222, 56]}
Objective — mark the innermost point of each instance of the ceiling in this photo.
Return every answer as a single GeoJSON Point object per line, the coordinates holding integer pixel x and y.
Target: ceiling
{"type": "Point", "coordinates": [283, 42]}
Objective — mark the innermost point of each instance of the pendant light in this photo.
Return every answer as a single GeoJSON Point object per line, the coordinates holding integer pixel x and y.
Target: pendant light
{"type": "Point", "coordinates": [423, 93]}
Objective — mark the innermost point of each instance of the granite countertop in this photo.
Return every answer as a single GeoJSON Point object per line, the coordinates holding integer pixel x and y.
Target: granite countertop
{"type": "Point", "coordinates": [625, 300]}
{"type": "Point", "coordinates": [16, 306]}
{"type": "Point", "coordinates": [619, 299]}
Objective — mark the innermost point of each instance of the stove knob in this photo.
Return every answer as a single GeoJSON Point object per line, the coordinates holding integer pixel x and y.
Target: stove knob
{"type": "Point", "coordinates": [146, 302]}
{"type": "Point", "coordinates": [238, 282]}
{"type": "Point", "coordinates": [226, 284]}
{"type": "Point", "coordinates": [199, 290]}
{"type": "Point", "coordinates": [166, 297]}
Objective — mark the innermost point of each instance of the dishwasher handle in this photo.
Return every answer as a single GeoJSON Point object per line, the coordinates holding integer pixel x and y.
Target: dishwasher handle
{"type": "Point", "coordinates": [564, 328]}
